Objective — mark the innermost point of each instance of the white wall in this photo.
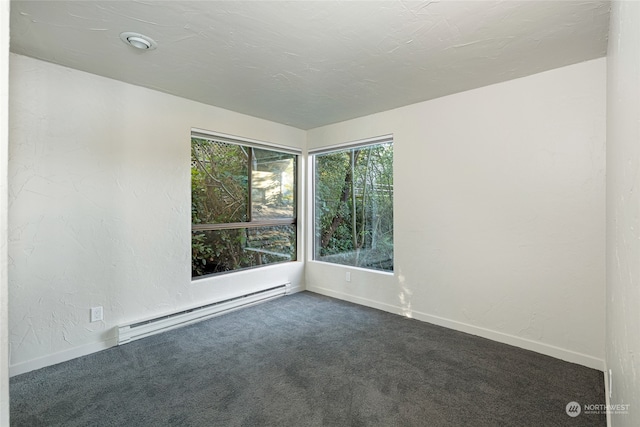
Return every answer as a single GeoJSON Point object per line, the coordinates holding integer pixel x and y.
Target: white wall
{"type": "Point", "coordinates": [623, 210]}
{"type": "Point", "coordinates": [508, 182]}
{"type": "Point", "coordinates": [99, 208]}
{"type": "Point", "coordinates": [4, 162]}
{"type": "Point", "coordinates": [499, 213]}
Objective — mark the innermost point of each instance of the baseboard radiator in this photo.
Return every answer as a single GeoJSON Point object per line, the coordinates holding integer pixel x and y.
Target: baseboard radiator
{"type": "Point", "coordinates": [145, 328]}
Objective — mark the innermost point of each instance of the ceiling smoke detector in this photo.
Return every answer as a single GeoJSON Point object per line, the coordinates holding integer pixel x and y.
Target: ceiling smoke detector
{"type": "Point", "coordinates": [139, 41]}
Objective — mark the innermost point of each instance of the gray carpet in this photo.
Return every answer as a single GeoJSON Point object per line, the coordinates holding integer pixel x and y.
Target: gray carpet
{"type": "Point", "coordinates": [308, 360]}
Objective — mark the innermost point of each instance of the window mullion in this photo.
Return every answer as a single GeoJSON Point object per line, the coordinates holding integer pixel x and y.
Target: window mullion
{"type": "Point", "coordinates": [250, 184]}
{"type": "Point", "coordinates": [238, 225]}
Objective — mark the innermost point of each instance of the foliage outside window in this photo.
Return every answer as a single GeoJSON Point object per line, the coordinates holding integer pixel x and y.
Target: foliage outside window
{"type": "Point", "coordinates": [243, 206]}
{"type": "Point", "coordinates": [353, 206]}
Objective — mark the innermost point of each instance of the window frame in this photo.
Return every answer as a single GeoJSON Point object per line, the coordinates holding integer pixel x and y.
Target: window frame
{"type": "Point", "coordinates": [312, 214]}
{"type": "Point", "coordinates": [251, 223]}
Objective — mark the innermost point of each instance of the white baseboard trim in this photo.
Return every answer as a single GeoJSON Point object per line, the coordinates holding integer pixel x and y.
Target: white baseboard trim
{"type": "Point", "coordinates": [538, 347]}
{"type": "Point", "coordinates": [62, 356]}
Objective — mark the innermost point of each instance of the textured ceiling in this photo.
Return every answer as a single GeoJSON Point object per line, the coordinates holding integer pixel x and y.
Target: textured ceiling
{"type": "Point", "coordinates": [311, 63]}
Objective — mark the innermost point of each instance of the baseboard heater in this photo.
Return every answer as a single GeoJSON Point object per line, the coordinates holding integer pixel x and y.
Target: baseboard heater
{"type": "Point", "coordinates": [145, 328]}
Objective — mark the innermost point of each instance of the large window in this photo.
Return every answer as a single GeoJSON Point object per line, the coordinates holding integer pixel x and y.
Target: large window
{"type": "Point", "coordinates": [243, 206]}
{"type": "Point", "coordinates": [353, 206]}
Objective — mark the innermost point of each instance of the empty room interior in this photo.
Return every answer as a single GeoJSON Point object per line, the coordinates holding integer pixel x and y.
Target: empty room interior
{"type": "Point", "coordinates": [320, 213]}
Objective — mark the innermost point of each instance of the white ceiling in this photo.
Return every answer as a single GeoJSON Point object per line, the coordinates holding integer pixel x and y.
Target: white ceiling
{"type": "Point", "coordinates": [311, 63]}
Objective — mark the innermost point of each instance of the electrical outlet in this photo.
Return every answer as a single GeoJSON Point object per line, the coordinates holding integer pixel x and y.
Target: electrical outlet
{"type": "Point", "coordinates": [347, 277]}
{"type": "Point", "coordinates": [96, 314]}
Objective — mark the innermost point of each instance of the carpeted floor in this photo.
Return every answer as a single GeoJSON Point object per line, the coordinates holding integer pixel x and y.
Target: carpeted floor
{"type": "Point", "coordinates": [308, 360]}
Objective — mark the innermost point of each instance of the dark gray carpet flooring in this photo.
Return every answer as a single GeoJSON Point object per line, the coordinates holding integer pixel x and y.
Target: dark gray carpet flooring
{"type": "Point", "coordinates": [308, 360]}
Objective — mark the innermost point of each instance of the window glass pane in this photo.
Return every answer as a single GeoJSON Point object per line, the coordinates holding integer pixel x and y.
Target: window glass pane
{"type": "Point", "coordinates": [217, 251]}
{"type": "Point", "coordinates": [243, 206]}
{"type": "Point", "coordinates": [219, 182]}
{"type": "Point", "coordinates": [354, 207]}
{"type": "Point", "coordinates": [273, 177]}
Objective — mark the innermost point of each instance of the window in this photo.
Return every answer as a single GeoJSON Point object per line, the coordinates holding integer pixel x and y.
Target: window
{"type": "Point", "coordinates": [243, 206]}
{"type": "Point", "coordinates": [353, 206]}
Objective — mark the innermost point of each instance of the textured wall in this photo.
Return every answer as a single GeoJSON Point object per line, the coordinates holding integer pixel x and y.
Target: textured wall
{"type": "Point", "coordinates": [99, 194]}
{"type": "Point", "coordinates": [499, 212]}
{"type": "Point", "coordinates": [508, 181]}
{"type": "Point", "coordinates": [4, 147]}
{"type": "Point", "coordinates": [623, 210]}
